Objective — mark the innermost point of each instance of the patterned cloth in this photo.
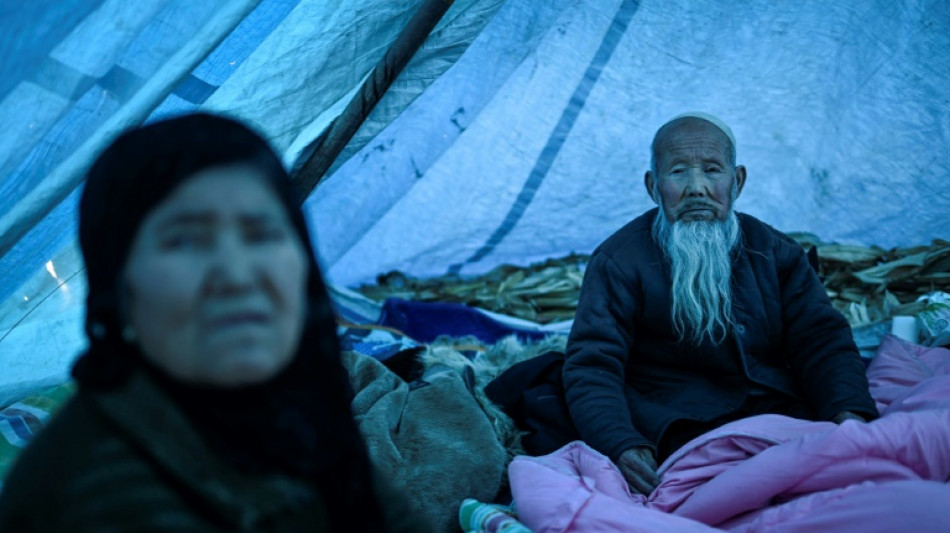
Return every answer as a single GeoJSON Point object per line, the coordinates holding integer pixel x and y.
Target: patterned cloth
{"type": "Point", "coordinates": [375, 341]}
{"type": "Point", "coordinates": [23, 419]}
{"type": "Point", "coordinates": [478, 517]}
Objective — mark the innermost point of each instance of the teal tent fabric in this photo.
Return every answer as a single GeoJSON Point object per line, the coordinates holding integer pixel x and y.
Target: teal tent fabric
{"type": "Point", "coordinates": [519, 130]}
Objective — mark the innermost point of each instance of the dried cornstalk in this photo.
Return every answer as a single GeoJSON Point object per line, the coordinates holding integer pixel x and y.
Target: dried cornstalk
{"type": "Point", "coordinates": [867, 284]}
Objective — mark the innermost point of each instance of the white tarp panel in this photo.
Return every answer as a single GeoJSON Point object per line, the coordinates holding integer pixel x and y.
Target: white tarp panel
{"type": "Point", "coordinates": [281, 67]}
{"type": "Point", "coordinates": [528, 144]}
{"type": "Point", "coordinates": [840, 112]}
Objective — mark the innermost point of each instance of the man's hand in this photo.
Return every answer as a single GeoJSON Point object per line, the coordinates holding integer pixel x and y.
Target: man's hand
{"type": "Point", "coordinates": [847, 415]}
{"type": "Point", "coordinates": [639, 469]}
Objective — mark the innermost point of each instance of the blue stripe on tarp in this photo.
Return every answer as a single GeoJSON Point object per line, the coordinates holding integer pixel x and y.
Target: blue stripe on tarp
{"type": "Point", "coordinates": [62, 79]}
{"type": "Point", "coordinates": [121, 82]}
{"type": "Point", "coordinates": [94, 103]}
{"type": "Point", "coordinates": [194, 89]}
{"type": "Point", "coordinates": [618, 27]}
{"type": "Point", "coordinates": [245, 39]}
{"type": "Point", "coordinates": [215, 70]}
{"type": "Point", "coordinates": [31, 30]}
{"type": "Point", "coordinates": [45, 239]}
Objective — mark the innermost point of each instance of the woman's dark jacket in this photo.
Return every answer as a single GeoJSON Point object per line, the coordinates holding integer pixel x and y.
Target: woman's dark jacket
{"type": "Point", "coordinates": [129, 460]}
{"type": "Point", "coordinates": [627, 377]}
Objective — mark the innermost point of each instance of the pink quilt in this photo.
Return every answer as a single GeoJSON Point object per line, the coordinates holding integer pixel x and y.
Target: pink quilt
{"type": "Point", "coordinates": [772, 473]}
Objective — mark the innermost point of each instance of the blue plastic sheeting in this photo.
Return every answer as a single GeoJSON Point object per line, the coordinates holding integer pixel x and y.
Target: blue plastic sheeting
{"type": "Point", "coordinates": [840, 113]}
{"type": "Point", "coordinates": [43, 242]}
{"type": "Point", "coordinates": [618, 26]}
{"type": "Point", "coordinates": [224, 60]}
{"type": "Point", "coordinates": [73, 90]}
{"type": "Point", "coordinates": [82, 120]}
{"type": "Point", "coordinates": [49, 21]}
{"type": "Point", "coordinates": [527, 144]}
{"type": "Point", "coordinates": [281, 68]}
{"type": "Point", "coordinates": [353, 200]}
{"type": "Point", "coordinates": [38, 341]}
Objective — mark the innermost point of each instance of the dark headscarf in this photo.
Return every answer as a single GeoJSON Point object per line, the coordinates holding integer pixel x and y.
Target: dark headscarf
{"type": "Point", "coordinates": [302, 417]}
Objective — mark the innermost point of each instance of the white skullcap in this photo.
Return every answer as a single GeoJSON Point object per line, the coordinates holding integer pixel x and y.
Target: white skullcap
{"type": "Point", "coordinates": [716, 121]}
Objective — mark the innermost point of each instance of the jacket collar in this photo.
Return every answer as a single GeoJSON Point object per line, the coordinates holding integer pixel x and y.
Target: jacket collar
{"type": "Point", "coordinates": [156, 427]}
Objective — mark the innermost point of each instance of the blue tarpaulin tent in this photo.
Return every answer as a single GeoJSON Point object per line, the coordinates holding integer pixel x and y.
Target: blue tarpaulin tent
{"type": "Point", "coordinates": [518, 131]}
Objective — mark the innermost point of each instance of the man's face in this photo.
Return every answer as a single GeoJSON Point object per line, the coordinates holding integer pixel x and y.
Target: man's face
{"type": "Point", "coordinates": [695, 174]}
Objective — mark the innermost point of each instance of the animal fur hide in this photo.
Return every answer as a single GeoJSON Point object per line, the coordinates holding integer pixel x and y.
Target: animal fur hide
{"type": "Point", "coordinates": [484, 368]}
{"type": "Point", "coordinates": [439, 438]}
{"type": "Point", "coordinates": [430, 438]}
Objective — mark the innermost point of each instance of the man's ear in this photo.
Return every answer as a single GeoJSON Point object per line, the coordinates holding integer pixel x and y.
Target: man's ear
{"type": "Point", "coordinates": [740, 179]}
{"type": "Point", "coordinates": [648, 182]}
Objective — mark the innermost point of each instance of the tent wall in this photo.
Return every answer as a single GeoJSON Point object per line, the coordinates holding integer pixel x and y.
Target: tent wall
{"type": "Point", "coordinates": [519, 131]}
{"type": "Point", "coordinates": [840, 112]}
{"type": "Point", "coordinates": [108, 74]}
{"type": "Point", "coordinates": [284, 67]}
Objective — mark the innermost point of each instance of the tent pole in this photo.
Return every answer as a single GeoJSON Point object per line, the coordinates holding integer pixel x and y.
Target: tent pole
{"type": "Point", "coordinates": [331, 142]}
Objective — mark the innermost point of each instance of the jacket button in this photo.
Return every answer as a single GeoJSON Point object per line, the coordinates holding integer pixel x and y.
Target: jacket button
{"type": "Point", "coordinates": [740, 329]}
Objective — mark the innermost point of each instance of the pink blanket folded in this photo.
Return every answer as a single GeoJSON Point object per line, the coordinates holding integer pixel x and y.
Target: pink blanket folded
{"type": "Point", "coordinates": [773, 473]}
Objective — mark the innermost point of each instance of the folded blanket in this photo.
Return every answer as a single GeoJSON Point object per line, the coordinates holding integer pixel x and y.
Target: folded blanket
{"type": "Point", "coordinates": [802, 487]}
{"type": "Point", "coordinates": [431, 438]}
{"type": "Point", "coordinates": [899, 366]}
{"type": "Point", "coordinates": [427, 321]}
{"type": "Point", "coordinates": [772, 473]}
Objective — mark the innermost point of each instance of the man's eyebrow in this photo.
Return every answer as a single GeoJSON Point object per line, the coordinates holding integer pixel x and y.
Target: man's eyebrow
{"type": "Point", "coordinates": [675, 161]}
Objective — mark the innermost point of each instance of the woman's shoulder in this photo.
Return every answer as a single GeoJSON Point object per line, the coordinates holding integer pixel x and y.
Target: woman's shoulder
{"type": "Point", "coordinates": [82, 470]}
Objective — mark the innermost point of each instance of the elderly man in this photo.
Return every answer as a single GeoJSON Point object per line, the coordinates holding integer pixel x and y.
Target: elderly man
{"type": "Point", "coordinates": [693, 315]}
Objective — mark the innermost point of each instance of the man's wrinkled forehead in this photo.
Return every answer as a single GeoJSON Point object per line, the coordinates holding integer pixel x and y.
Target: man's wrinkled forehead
{"type": "Point", "coordinates": [712, 119]}
{"type": "Point", "coordinates": [696, 120]}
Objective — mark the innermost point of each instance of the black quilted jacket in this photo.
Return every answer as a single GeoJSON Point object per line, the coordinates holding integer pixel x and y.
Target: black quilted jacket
{"type": "Point", "coordinates": [626, 377]}
{"type": "Point", "coordinates": [128, 460]}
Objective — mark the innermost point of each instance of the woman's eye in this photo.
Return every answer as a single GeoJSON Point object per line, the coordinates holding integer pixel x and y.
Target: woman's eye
{"type": "Point", "coordinates": [265, 234]}
{"type": "Point", "coordinates": [184, 241]}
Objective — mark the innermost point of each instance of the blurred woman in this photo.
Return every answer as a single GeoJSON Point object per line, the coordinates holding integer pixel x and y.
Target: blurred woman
{"type": "Point", "coordinates": [211, 397]}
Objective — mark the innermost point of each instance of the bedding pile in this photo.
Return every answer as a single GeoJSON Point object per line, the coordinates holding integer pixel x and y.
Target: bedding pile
{"type": "Point", "coordinates": [773, 473]}
{"type": "Point", "coordinates": [429, 436]}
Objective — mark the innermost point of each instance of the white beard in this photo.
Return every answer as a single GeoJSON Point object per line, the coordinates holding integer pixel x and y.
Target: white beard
{"type": "Point", "coordinates": [702, 273]}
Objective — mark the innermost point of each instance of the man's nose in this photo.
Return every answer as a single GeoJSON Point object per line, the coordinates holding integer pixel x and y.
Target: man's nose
{"type": "Point", "coordinates": [695, 182]}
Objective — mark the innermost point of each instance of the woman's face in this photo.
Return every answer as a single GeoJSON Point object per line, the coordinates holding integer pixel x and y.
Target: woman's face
{"type": "Point", "coordinates": [216, 280]}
